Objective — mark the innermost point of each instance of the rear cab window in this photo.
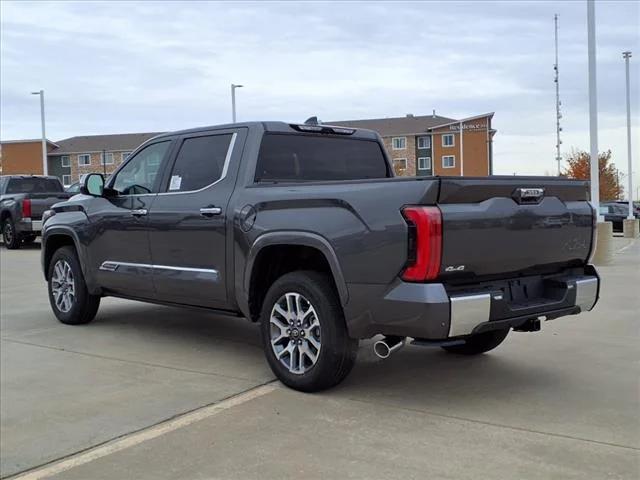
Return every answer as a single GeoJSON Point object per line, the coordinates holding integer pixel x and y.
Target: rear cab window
{"type": "Point", "coordinates": [33, 185]}
{"type": "Point", "coordinates": [307, 158]}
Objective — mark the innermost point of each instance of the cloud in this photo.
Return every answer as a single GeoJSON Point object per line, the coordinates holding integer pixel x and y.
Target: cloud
{"type": "Point", "coordinates": [148, 66]}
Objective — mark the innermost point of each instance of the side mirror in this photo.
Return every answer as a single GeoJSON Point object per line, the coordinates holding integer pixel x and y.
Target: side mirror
{"type": "Point", "coordinates": [92, 184]}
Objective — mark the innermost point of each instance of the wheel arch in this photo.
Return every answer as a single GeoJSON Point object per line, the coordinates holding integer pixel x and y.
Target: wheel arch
{"type": "Point", "coordinates": [56, 238]}
{"type": "Point", "coordinates": [316, 250]}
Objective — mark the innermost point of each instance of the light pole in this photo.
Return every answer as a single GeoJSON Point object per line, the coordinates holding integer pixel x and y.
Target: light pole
{"type": "Point", "coordinates": [233, 100]}
{"type": "Point", "coordinates": [593, 109]}
{"type": "Point", "coordinates": [627, 56]}
{"type": "Point", "coordinates": [45, 166]}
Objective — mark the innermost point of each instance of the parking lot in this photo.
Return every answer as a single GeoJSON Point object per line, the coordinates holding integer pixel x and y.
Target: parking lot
{"type": "Point", "coordinates": [151, 392]}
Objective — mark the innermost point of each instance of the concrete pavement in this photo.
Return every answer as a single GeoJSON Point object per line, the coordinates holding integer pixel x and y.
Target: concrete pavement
{"type": "Point", "coordinates": [561, 403]}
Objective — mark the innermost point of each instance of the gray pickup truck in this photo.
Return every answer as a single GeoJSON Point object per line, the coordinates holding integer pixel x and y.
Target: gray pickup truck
{"type": "Point", "coordinates": [303, 229]}
{"type": "Point", "coordinates": [23, 199]}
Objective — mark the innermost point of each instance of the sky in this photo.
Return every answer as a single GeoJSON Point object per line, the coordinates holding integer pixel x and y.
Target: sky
{"type": "Point", "coordinates": [118, 67]}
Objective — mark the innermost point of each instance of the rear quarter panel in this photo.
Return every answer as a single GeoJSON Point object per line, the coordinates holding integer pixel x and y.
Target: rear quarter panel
{"type": "Point", "coordinates": [361, 221]}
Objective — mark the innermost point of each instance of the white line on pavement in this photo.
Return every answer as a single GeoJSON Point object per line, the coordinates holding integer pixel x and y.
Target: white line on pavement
{"type": "Point", "coordinates": [141, 436]}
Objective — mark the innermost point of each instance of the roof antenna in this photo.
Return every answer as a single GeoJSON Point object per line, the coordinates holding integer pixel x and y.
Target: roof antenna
{"type": "Point", "coordinates": [311, 121]}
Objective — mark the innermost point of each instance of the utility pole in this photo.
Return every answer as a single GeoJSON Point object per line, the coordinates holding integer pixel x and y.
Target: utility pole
{"type": "Point", "coordinates": [627, 56]}
{"type": "Point", "coordinates": [593, 108]}
{"type": "Point", "coordinates": [558, 103]}
{"type": "Point", "coordinates": [461, 152]}
{"type": "Point", "coordinates": [45, 165]}
{"type": "Point", "coordinates": [104, 163]}
{"type": "Point", "coordinates": [233, 101]}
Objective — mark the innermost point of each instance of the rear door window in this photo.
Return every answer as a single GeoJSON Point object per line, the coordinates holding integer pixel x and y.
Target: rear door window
{"type": "Point", "coordinates": [200, 162]}
{"type": "Point", "coordinates": [296, 158]}
{"type": "Point", "coordinates": [34, 185]}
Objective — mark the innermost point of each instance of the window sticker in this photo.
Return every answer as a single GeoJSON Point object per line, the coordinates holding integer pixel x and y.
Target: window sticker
{"type": "Point", "coordinates": [176, 181]}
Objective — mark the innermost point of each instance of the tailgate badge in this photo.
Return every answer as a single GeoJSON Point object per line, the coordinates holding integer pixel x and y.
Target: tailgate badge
{"type": "Point", "coordinates": [528, 195]}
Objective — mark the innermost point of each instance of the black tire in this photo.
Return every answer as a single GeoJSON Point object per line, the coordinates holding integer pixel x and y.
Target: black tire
{"type": "Point", "coordinates": [84, 305]}
{"type": "Point", "coordinates": [479, 343]}
{"type": "Point", "coordinates": [337, 353]}
{"type": "Point", "coordinates": [11, 238]}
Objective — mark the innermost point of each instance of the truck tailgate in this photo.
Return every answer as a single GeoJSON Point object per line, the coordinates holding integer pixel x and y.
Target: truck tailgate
{"type": "Point", "coordinates": [43, 201]}
{"type": "Point", "coordinates": [513, 225]}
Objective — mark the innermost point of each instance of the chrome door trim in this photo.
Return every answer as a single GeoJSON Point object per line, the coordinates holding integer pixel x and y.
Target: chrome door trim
{"type": "Point", "coordinates": [225, 167]}
{"type": "Point", "coordinates": [112, 266]}
{"type": "Point", "coordinates": [211, 211]}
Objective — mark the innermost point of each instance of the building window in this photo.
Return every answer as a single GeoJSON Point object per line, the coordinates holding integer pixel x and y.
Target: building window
{"type": "Point", "coordinates": [399, 143]}
{"type": "Point", "coordinates": [448, 161]}
{"type": "Point", "coordinates": [424, 163]}
{"type": "Point", "coordinates": [109, 159]}
{"type": "Point", "coordinates": [400, 165]}
{"type": "Point", "coordinates": [447, 140]}
{"type": "Point", "coordinates": [125, 155]}
{"type": "Point", "coordinates": [65, 160]}
{"type": "Point", "coordinates": [84, 159]}
{"type": "Point", "coordinates": [66, 179]}
{"type": "Point", "coordinates": [424, 142]}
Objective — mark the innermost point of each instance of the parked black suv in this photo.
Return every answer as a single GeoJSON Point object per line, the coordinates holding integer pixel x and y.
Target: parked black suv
{"type": "Point", "coordinates": [303, 229]}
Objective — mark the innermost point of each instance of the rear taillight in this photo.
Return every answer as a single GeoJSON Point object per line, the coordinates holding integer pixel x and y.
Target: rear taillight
{"type": "Point", "coordinates": [425, 243]}
{"type": "Point", "coordinates": [26, 208]}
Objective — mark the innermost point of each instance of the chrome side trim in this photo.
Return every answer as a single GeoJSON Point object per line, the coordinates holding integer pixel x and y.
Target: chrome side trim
{"type": "Point", "coordinates": [225, 167]}
{"type": "Point", "coordinates": [111, 266]}
{"type": "Point", "coordinates": [468, 311]}
{"type": "Point", "coordinates": [184, 269]}
{"type": "Point", "coordinates": [586, 293]}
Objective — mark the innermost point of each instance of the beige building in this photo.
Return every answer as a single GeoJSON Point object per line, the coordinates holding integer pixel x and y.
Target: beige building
{"type": "Point", "coordinates": [76, 156]}
{"type": "Point", "coordinates": [433, 145]}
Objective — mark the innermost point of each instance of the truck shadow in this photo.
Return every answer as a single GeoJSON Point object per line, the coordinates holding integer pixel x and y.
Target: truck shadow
{"type": "Point", "coordinates": [428, 375]}
{"type": "Point", "coordinates": [429, 378]}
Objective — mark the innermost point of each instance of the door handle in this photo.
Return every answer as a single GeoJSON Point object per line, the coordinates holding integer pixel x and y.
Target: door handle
{"type": "Point", "coordinates": [210, 211]}
{"type": "Point", "coordinates": [139, 212]}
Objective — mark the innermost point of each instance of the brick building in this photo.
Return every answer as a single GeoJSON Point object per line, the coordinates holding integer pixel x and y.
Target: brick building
{"type": "Point", "coordinates": [432, 145]}
{"type": "Point", "coordinates": [418, 145]}
{"type": "Point", "coordinates": [76, 156]}
{"type": "Point", "coordinates": [22, 156]}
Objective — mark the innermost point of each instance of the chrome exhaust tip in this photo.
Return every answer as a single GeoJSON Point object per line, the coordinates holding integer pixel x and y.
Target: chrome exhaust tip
{"type": "Point", "coordinates": [388, 345]}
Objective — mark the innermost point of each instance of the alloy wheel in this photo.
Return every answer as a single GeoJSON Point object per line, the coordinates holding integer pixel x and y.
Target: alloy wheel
{"type": "Point", "coordinates": [63, 286]}
{"type": "Point", "coordinates": [8, 233]}
{"type": "Point", "coordinates": [295, 333]}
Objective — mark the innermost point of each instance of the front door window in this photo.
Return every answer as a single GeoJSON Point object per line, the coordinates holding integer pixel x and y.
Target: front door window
{"type": "Point", "coordinates": [138, 176]}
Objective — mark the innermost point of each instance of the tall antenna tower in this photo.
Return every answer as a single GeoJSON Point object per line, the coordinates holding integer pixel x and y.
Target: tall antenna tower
{"type": "Point", "coordinates": [556, 79]}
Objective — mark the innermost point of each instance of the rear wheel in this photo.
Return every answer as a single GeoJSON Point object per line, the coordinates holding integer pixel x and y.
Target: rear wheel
{"type": "Point", "coordinates": [304, 334]}
{"type": "Point", "coordinates": [9, 234]}
{"type": "Point", "coordinates": [479, 343]}
{"type": "Point", "coordinates": [68, 295]}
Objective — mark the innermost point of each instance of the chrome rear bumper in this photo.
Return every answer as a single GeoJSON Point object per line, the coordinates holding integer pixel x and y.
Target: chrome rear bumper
{"type": "Point", "coordinates": [468, 312]}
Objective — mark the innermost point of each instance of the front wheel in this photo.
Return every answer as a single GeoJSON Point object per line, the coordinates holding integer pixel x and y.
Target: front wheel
{"type": "Point", "coordinates": [479, 343]}
{"type": "Point", "coordinates": [304, 334]}
{"type": "Point", "coordinates": [70, 300]}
